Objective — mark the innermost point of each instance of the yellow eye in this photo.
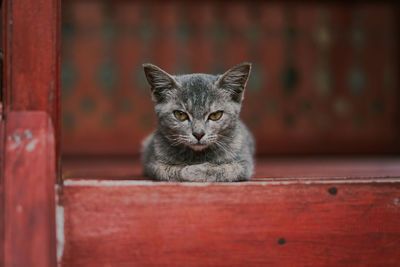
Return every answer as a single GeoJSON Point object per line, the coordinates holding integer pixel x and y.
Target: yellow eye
{"type": "Point", "coordinates": [180, 115]}
{"type": "Point", "coordinates": [215, 116]}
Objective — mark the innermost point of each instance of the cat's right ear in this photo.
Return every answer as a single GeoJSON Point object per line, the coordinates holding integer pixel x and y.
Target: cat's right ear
{"type": "Point", "coordinates": [161, 82]}
{"type": "Point", "coordinates": [234, 80]}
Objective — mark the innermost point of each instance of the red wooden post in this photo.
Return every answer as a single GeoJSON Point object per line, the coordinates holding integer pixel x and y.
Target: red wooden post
{"type": "Point", "coordinates": [31, 42]}
{"type": "Point", "coordinates": [29, 205]}
{"type": "Point", "coordinates": [29, 146]}
{"type": "Point", "coordinates": [1, 190]}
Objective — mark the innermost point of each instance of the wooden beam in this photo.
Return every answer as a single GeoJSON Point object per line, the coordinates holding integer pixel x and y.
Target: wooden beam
{"type": "Point", "coordinates": [29, 209]}
{"type": "Point", "coordinates": [288, 223]}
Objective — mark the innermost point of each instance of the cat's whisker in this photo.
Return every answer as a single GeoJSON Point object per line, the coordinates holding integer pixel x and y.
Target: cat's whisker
{"type": "Point", "coordinates": [225, 148]}
{"type": "Point", "coordinates": [225, 137]}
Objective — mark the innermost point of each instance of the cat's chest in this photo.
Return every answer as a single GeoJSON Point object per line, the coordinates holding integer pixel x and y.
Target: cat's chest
{"type": "Point", "coordinates": [186, 156]}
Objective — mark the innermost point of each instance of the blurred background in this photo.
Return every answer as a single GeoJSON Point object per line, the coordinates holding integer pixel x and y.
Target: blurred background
{"type": "Point", "coordinates": [324, 79]}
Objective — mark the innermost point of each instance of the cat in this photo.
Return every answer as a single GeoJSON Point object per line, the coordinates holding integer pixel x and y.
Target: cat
{"type": "Point", "coordinates": [200, 137]}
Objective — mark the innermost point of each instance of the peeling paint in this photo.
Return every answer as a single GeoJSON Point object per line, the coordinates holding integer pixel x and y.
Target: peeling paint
{"type": "Point", "coordinates": [17, 138]}
{"type": "Point", "coordinates": [32, 144]}
{"type": "Point", "coordinates": [59, 229]}
{"type": "Point", "coordinates": [396, 201]}
{"type": "Point", "coordinates": [17, 141]}
{"type": "Point", "coordinates": [28, 134]}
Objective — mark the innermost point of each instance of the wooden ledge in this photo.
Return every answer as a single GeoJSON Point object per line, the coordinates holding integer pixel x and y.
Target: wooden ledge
{"type": "Point", "coordinates": [294, 212]}
{"type": "Point", "coordinates": [267, 169]}
{"type": "Point", "coordinates": [270, 223]}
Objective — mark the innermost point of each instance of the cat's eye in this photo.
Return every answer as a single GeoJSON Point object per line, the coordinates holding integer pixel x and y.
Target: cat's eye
{"type": "Point", "coordinates": [216, 115]}
{"type": "Point", "coordinates": [180, 115]}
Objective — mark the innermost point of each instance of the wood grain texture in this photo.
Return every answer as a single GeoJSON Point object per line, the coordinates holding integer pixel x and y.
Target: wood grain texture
{"type": "Point", "coordinates": [247, 224]}
{"type": "Point", "coordinates": [29, 210]}
{"type": "Point", "coordinates": [31, 42]}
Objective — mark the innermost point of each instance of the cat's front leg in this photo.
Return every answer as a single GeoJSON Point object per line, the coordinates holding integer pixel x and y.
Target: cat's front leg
{"type": "Point", "coordinates": [197, 173]}
{"type": "Point", "coordinates": [163, 172]}
{"type": "Point", "coordinates": [207, 172]}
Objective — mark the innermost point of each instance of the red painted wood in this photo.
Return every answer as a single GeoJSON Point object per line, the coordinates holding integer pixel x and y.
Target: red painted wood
{"type": "Point", "coordinates": [31, 42]}
{"type": "Point", "coordinates": [1, 191]}
{"type": "Point", "coordinates": [130, 168]}
{"type": "Point", "coordinates": [243, 224]}
{"type": "Point", "coordinates": [31, 55]}
{"type": "Point", "coordinates": [29, 190]}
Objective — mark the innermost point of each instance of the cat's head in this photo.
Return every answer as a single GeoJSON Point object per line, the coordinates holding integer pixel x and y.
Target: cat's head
{"type": "Point", "coordinates": [198, 110]}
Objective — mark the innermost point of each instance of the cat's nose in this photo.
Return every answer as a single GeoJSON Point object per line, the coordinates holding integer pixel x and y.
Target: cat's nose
{"type": "Point", "coordinates": [198, 135]}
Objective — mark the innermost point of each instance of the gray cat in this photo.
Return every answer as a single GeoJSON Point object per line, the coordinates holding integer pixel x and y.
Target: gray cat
{"type": "Point", "coordinates": [200, 137]}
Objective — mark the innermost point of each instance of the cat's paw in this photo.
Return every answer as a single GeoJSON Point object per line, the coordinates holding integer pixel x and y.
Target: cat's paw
{"type": "Point", "coordinates": [199, 173]}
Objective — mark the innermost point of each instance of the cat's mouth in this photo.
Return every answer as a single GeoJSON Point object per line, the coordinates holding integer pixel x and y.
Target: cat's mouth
{"type": "Point", "coordinates": [197, 147]}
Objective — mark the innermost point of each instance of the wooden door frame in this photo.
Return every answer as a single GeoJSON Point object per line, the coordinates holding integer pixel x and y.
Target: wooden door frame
{"type": "Point", "coordinates": [29, 131]}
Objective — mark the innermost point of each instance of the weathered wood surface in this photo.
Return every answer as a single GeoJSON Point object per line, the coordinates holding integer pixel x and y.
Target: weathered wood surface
{"type": "Point", "coordinates": [29, 177]}
{"type": "Point", "coordinates": [143, 223]}
{"type": "Point", "coordinates": [291, 168]}
{"type": "Point", "coordinates": [31, 43]}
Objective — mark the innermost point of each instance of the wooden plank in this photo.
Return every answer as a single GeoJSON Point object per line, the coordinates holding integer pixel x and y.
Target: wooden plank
{"type": "Point", "coordinates": [29, 190]}
{"type": "Point", "coordinates": [31, 42]}
{"type": "Point", "coordinates": [123, 168]}
{"type": "Point", "coordinates": [143, 223]}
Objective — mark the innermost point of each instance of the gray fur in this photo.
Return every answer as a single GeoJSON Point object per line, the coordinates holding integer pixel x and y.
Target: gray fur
{"type": "Point", "coordinates": [224, 153]}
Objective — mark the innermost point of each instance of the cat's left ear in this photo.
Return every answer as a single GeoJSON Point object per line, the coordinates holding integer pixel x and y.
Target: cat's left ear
{"type": "Point", "coordinates": [160, 81]}
{"type": "Point", "coordinates": [235, 80]}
